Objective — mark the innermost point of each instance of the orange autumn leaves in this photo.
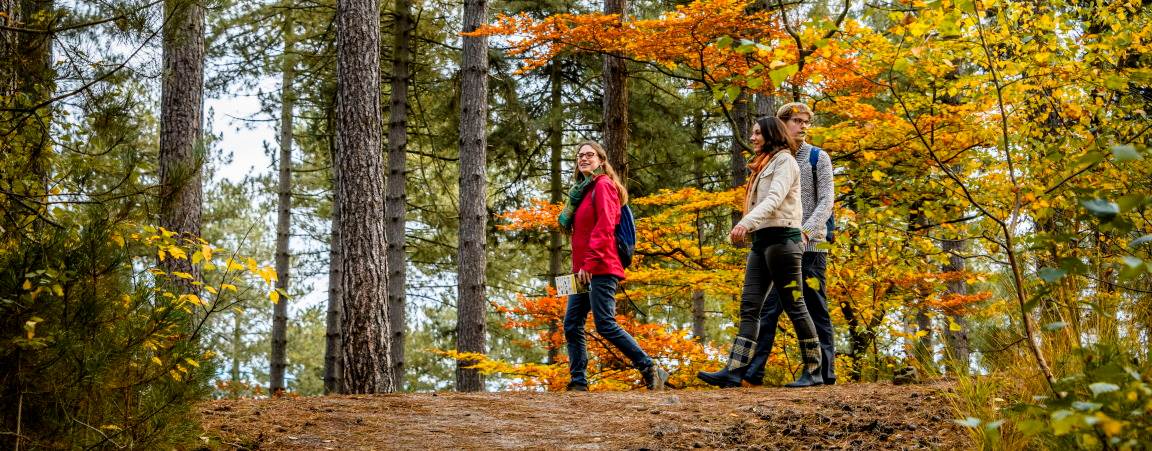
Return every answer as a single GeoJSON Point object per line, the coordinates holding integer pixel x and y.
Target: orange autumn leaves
{"type": "Point", "coordinates": [714, 42]}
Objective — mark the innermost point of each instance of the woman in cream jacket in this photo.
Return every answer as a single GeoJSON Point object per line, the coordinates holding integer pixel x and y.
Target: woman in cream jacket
{"type": "Point", "coordinates": [772, 219]}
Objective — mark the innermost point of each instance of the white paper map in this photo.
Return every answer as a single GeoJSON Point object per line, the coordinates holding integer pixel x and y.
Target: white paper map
{"type": "Point", "coordinates": [566, 285]}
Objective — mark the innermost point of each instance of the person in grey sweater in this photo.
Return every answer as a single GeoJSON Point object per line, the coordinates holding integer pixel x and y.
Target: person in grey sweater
{"type": "Point", "coordinates": [816, 194]}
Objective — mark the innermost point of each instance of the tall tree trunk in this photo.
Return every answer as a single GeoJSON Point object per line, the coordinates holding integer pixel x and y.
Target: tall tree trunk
{"type": "Point", "coordinates": [284, 210]}
{"type": "Point", "coordinates": [698, 317]}
{"type": "Point", "coordinates": [27, 79]}
{"type": "Point", "coordinates": [359, 170]}
{"type": "Point", "coordinates": [474, 113]}
{"type": "Point", "coordinates": [766, 105]}
{"type": "Point", "coordinates": [395, 199]}
{"type": "Point", "coordinates": [472, 304]}
{"type": "Point", "coordinates": [333, 339]}
{"type": "Point", "coordinates": [10, 16]}
{"type": "Point", "coordinates": [958, 352]}
{"type": "Point", "coordinates": [923, 346]}
{"type": "Point", "coordinates": [616, 120]}
{"type": "Point", "coordinates": [741, 130]}
{"type": "Point", "coordinates": [237, 348]}
{"type": "Point", "coordinates": [616, 132]}
{"type": "Point", "coordinates": [181, 147]}
{"type": "Point", "coordinates": [555, 186]}
{"type": "Point", "coordinates": [332, 336]}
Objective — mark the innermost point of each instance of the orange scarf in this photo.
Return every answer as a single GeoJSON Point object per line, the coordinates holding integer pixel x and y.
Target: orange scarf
{"type": "Point", "coordinates": [758, 163]}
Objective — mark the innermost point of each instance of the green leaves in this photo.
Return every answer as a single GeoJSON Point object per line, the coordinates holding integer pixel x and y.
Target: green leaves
{"type": "Point", "coordinates": [1102, 387]}
{"type": "Point", "coordinates": [1101, 208]}
{"type": "Point", "coordinates": [1051, 274]}
{"type": "Point", "coordinates": [1126, 152]}
{"type": "Point", "coordinates": [782, 73]}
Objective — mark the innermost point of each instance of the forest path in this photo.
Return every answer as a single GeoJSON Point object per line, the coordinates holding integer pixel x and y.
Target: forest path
{"type": "Point", "coordinates": [847, 416]}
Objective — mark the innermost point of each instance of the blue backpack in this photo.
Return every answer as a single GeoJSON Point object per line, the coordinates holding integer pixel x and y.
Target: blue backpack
{"type": "Point", "coordinates": [813, 159]}
{"type": "Point", "coordinates": [626, 236]}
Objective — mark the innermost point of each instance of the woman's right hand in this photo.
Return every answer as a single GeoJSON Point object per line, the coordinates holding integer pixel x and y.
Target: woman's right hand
{"type": "Point", "coordinates": [738, 234]}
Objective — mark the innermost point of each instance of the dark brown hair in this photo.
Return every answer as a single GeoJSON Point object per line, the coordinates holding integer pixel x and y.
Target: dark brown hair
{"type": "Point", "coordinates": [775, 136]}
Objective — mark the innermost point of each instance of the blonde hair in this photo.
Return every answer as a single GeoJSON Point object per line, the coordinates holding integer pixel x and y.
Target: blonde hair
{"type": "Point", "coordinates": [603, 155]}
{"type": "Point", "coordinates": [791, 109]}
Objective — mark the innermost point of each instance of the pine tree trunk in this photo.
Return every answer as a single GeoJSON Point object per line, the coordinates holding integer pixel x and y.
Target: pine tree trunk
{"type": "Point", "coordinates": [923, 349]}
{"type": "Point", "coordinates": [616, 132]}
{"type": "Point", "coordinates": [698, 317]}
{"type": "Point", "coordinates": [27, 79]}
{"type": "Point", "coordinates": [395, 199]}
{"type": "Point", "coordinates": [555, 186]}
{"type": "Point", "coordinates": [284, 212]}
{"type": "Point", "coordinates": [237, 347]}
{"type": "Point", "coordinates": [958, 356]}
{"type": "Point", "coordinates": [359, 170]}
{"type": "Point", "coordinates": [472, 303]}
{"type": "Point", "coordinates": [333, 339]}
{"type": "Point", "coordinates": [741, 129]}
{"type": "Point", "coordinates": [10, 16]}
{"type": "Point", "coordinates": [181, 147]}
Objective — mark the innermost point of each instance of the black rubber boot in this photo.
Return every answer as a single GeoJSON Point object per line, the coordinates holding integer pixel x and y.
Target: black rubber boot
{"type": "Point", "coordinates": [806, 380]}
{"type": "Point", "coordinates": [723, 378]}
{"type": "Point", "coordinates": [738, 359]}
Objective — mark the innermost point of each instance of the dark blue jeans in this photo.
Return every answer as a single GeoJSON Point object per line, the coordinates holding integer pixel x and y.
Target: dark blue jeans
{"type": "Point", "coordinates": [814, 264]}
{"type": "Point", "coordinates": [601, 301]}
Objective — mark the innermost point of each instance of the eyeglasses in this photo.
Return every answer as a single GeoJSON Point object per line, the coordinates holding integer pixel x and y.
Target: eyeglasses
{"type": "Point", "coordinates": [801, 121]}
{"type": "Point", "coordinates": [585, 155]}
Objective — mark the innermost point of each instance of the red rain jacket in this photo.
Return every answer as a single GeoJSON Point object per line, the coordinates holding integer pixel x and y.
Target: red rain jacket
{"type": "Point", "coordinates": [594, 231]}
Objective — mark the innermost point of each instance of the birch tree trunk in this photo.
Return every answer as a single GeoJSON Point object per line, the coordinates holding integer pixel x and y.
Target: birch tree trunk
{"type": "Point", "coordinates": [359, 169]}
{"type": "Point", "coordinates": [472, 302]}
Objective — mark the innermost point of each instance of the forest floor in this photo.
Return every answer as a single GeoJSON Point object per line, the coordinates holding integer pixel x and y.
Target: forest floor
{"type": "Point", "coordinates": [846, 416]}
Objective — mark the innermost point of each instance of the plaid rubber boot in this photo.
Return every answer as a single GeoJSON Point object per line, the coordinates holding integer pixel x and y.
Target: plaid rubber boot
{"type": "Point", "coordinates": [738, 360]}
{"type": "Point", "coordinates": [810, 351]}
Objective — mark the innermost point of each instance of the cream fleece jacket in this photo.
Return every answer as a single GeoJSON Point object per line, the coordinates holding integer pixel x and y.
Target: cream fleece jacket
{"type": "Point", "coordinates": [775, 196]}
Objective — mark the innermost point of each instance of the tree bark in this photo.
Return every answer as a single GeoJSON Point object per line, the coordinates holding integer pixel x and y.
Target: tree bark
{"type": "Point", "coordinates": [181, 146]}
{"type": "Point", "coordinates": [237, 348]}
{"type": "Point", "coordinates": [923, 348]}
{"type": "Point", "coordinates": [284, 211]}
{"type": "Point", "coordinates": [698, 313]}
{"type": "Point", "coordinates": [471, 291]}
{"type": "Point", "coordinates": [555, 186]}
{"type": "Point", "coordinates": [395, 199]}
{"type": "Point", "coordinates": [27, 78]}
{"type": "Point", "coordinates": [333, 354]}
{"type": "Point", "coordinates": [741, 130]}
{"type": "Point", "coordinates": [616, 132]}
{"type": "Point", "coordinates": [359, 170]}
{"type": "Point", "coordinates": [958, 356]}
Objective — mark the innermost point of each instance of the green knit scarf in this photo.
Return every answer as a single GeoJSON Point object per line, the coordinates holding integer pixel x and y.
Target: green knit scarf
{"type": "Point", "coordinates": [575, 196]}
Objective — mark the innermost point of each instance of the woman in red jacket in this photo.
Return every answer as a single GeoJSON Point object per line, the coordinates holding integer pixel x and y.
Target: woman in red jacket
{"type": "Point", "coordinates": [590, 216]}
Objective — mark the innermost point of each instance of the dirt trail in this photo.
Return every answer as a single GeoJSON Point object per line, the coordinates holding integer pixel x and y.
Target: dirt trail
{"type": "Point", "coordinates": [851, 416]}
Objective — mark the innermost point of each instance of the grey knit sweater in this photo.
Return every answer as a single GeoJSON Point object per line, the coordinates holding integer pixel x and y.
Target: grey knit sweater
{"type": "Point", "coordinates": [816, 213]}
